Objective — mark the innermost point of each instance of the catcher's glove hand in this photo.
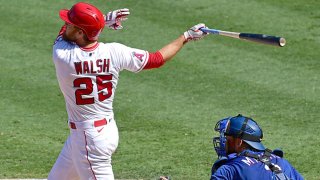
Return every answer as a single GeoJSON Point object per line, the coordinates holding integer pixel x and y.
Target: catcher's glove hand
{"type": "Point", "coordinates": [114, 18]}
{"type": "Point", "coordinates": [164, 178]}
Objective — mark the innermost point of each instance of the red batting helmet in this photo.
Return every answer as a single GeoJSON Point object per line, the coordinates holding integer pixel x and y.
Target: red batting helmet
{"type": "Point", "coordinates": [86, 17]}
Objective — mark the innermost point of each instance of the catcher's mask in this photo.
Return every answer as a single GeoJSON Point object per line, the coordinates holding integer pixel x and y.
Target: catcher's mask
{"type": "Point", "coordinates": [241, 127]}
{"type": "Point", "coordinates": [219, 143]}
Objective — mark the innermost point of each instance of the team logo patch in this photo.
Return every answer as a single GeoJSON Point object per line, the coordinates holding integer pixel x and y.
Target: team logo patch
{"type": "Point", "coordinates": [138, 55]}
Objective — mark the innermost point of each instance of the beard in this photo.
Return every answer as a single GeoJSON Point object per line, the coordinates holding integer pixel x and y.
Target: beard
{"type": "Point", "coordinates": [68, 37]}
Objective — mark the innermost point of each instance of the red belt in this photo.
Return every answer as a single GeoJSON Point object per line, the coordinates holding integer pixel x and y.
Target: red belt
{"type": "Point", "coordinates": [95, 124]}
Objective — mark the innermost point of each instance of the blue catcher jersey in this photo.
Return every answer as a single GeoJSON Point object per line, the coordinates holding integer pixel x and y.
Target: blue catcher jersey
{"type": "Point", "coordinates": [239, 167]}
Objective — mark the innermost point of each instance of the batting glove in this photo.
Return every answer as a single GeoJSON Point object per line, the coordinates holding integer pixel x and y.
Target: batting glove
{"type": "Point", "coordinates": [194, 33]}
{"type": "Point", "coordinates": [114, 18]}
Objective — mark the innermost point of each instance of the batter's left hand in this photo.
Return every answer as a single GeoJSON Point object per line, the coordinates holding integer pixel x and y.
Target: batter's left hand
{"type": "Point", "coordinates": [114, 18]}
{"type": "Point", "coordinates": [194, 33]}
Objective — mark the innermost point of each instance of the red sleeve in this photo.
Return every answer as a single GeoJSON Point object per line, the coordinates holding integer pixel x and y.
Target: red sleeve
{"type": "Point", "coordinates": [155, 61]}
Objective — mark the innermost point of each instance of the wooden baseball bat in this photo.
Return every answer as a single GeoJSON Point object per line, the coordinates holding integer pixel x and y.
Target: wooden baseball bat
{"type": "Point", "coordinates": [259, 38]}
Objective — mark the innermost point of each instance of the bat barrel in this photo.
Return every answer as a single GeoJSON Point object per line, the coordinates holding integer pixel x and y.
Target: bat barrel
{"type": "Point", "coordinates": [264, 39]}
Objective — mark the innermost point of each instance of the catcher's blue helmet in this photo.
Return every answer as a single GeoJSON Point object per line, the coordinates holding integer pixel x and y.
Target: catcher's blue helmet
{"type": "Point", "coordinates": [238, 126]}
{"type": "Point", "coordinates": [246, 129]}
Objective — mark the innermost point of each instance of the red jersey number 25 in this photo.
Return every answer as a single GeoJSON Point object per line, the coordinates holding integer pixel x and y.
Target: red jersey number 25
{"type": "Point", "coordinates": [102, 82]}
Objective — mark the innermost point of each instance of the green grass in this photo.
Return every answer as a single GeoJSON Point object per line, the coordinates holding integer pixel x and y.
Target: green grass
{"type": "Point", "coordinates": [166, 116]}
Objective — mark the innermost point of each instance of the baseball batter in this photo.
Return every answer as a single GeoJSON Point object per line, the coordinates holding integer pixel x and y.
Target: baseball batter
{"type": "Point", "coordinates": [88, 74]}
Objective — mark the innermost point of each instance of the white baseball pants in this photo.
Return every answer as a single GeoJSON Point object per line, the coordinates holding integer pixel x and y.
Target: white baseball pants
{"type": "Point", "coordinates": [86, 154]}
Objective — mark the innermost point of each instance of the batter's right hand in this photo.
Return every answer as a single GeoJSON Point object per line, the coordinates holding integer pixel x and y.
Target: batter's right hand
{"type": "Point", "coordinates": [114, 18]}
{"type": "Point", "coordinates": [194, 33]}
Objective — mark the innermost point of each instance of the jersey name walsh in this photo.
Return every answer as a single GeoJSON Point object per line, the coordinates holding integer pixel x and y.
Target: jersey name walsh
{"type": "Point", "coordinates": [91, 67]}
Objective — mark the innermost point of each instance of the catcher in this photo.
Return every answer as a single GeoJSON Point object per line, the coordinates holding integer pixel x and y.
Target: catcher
{"type": "Point", "coordinates": [242, 155]}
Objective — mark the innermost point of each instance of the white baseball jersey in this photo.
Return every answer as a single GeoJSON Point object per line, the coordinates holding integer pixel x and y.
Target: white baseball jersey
{"type": "Point", "coordinates": [88, 77]}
